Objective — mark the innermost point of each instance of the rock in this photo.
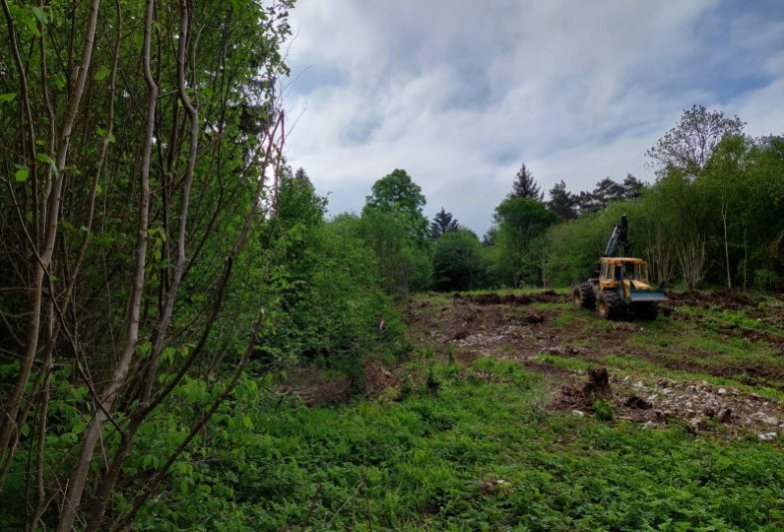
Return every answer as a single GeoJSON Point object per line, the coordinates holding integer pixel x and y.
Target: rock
{"type": "Point", "coordinates": [578, 413]}
{"type": "Point", "coordinates": [724, 415]}
{"type": "Point", "coordinates": [638, 384]}
{"type": "Point", "coordinates": [767, 436]}
{"type": "Point", "coordinates": [649, 425]}
{"type": "Point", "coordinates": [762, 417]}
{"type": "Point", "coordinates": [722, 391]}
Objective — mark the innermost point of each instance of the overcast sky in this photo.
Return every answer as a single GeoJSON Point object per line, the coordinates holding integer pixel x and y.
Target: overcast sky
{"type": "Point", "coordinates": [459, 93]}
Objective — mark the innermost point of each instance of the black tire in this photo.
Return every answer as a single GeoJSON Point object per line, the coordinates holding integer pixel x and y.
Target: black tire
{"type": "Point", "coordinates": [609, 305]}
{"type": "Point", "coordinates": [582, 295]}
{"type": "Point", "coordinates": [648, 311]}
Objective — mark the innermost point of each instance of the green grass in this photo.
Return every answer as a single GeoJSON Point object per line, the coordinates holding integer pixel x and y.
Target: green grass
{"type": "Point", "coordinates": [572, 363]}
{"type": "Point", "coordinates": [476, 455]}
{"type": "Point", "coordinates": [473, 447]}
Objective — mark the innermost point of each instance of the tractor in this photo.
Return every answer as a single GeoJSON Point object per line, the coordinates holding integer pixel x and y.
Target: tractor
{"type": "Point", "coordinates": [620, 284]}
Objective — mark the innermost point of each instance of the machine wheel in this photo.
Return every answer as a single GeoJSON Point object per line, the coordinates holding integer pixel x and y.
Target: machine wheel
{"type": "Point", "coordinates": [609, 305]}
{"type": "Point", "coordinates": [582, 295]}
{"type": "Point", "coordinates": [648, 311]}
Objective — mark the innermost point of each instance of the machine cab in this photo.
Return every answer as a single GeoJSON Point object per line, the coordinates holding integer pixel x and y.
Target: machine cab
{"type": "Point", "coordinates": [615, 270]}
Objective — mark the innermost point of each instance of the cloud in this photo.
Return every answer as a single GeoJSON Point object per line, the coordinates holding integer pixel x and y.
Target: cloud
{"type": "Point", "coordinates": [459, 93]}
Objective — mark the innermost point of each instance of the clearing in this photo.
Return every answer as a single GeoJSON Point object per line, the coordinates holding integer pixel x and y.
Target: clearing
{"type": "Point", "coordinates": [491, 425]}
{"type": "Point", "coordinates": [710, 356]}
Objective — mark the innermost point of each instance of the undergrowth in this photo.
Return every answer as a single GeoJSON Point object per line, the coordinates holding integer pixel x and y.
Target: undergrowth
{"type": "Point", "coordinates": [479, 452]}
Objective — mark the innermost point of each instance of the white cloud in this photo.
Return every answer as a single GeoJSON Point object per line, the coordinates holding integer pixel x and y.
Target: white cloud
{"type": "Point", "coordinates": [459, 93]}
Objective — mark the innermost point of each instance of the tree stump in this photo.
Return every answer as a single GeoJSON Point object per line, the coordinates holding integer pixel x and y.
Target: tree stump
{"type": "Point", "coordinates": [598, 386]}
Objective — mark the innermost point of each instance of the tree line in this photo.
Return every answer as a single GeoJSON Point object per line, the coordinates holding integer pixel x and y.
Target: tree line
{"type": "Point", "coordinates": [713, 217]}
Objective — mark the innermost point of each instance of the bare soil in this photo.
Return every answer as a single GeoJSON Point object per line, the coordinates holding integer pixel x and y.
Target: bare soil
{"type": "Point", "coordinates": [529, 327]}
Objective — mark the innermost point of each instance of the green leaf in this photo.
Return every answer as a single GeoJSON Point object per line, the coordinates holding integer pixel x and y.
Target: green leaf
{"type": "Point", "coordinates": [7, 97]}
{"type": "Point", "coordinates": [101, 74]}
{"type": "Point", "coordinates": [43, 158]}
{"type": "Point", "coordinates": [22, 174]}
{"type": "Point", "coordinates": [46, 159]}
{"type": "Point", "coordinates": [41, 15]}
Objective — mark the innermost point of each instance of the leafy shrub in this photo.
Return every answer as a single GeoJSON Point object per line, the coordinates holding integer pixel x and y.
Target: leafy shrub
{"type": "Point", "coordinates": [604, 410]}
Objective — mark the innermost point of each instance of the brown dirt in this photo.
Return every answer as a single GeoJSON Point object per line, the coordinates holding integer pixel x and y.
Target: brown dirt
{"type": "Point", "coordinates": [723, 299]}
{"type": "Point", "coordinates": [473, 326]}
{"type": "Point", "coordinates": [548, 296]}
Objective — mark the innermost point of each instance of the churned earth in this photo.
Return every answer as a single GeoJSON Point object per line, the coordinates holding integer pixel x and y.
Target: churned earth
{"type": "Point", "coordinates": [713, 361]}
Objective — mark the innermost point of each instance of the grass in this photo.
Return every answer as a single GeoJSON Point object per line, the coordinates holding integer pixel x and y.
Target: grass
{"type": "Point", "coordinates": [474, 447]}
{"type": "Point", "coordinates": [483, 455]}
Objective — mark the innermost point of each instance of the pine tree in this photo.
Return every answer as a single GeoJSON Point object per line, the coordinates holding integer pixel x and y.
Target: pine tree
{"type": "Point", "coordinates": [563, 202]}
{"type": "Point", "coordinates": [632, 187]}
{"type": "Point", "coordinates": [443, 223]}
{"type": "Point", "coordinates": [525, 186]}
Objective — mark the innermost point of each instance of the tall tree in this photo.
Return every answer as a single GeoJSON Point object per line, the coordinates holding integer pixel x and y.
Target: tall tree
{"type": "Point", "coordinates": [525, 185]}
{"type": "Point", "coordinates": [397, 194]}
{"type": "Point", "coordinates": [688, 146]}
{"type": "Point", "coordinates": [632, 187]}
{"type": "Point", "coordinates": [442, 223]}
{"type": "Point", "coordinates": [395, 227]}
{"type": "Point", "coordinates": [457, 261]}
{"type": "Point", "coordinates": [608, 190]}
{"type": "Point", "coordinates": [521, 225]}
{"type": "Point", "coordinates": [563, 202]}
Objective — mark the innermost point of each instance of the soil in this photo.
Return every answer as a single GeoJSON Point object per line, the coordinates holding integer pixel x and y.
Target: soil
{"type": "Point", "coordinates": [505, 326]}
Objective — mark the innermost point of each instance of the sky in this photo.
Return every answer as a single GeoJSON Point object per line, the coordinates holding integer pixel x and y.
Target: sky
{"type": "Point", "coordinates": [460, 93]}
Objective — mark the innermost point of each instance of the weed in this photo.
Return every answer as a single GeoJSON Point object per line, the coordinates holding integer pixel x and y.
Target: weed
{"type": "Point", "coordinates": [604, 410]}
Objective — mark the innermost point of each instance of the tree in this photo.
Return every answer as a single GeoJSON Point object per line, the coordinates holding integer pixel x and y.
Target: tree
{"type": "Point", "coordinates": [397, 194]}
{"type": "Point", "coordinates": [521, 224]}
{"type": "Point", "coordinates": [632, 187]}
{"type": "Point", "coordinates": [607, 191]}
{"type": "Point", "coordinates": [396, 229]}
{"type": "Point", "coordinates": [297, 201]}
{"type": "Point", "coordinates": [442, 223]}
{"type": "Point", "coordinates": [525, 186]}
{"type": "Point", "coordinates": [689, 145]}
{"type": "Point", "coordinates": [563, 202]}
{"type": "Point", "coordinates": [457, 261]}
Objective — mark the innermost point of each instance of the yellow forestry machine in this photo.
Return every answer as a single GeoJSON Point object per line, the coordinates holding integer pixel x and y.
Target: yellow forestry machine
{"type": "Point", "coordinates": [620, 284]}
